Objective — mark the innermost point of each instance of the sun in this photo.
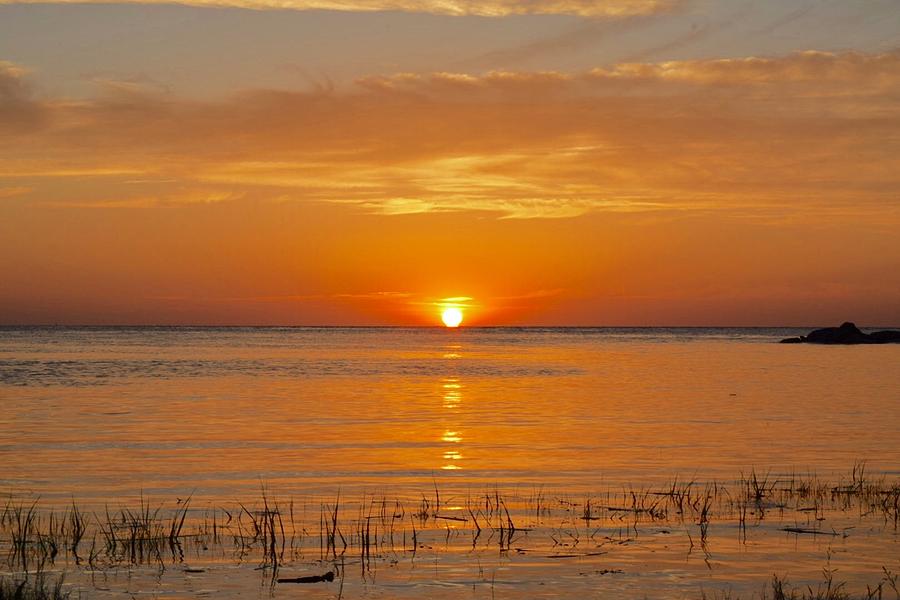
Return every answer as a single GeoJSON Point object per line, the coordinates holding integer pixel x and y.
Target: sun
{"type": "Point", "coordinates": [452, 317]}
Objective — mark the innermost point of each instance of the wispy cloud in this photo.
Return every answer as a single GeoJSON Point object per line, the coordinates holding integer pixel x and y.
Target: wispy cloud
{"type": "Point", "coordinates": [808, 131]}
{"type": "Point", "coordinates": [18, 112]}
{"type": "Point", "coordinates": [532, 295]}
{"type": "Point", "coordinates": [375, 295]}
{"type": "Point", "coordinates": [580, 35]}
{"type": "Point", "coordinates": [485, 8]}
{"type": "Point", "coordinates": [853, 71]}
{"type": "Point", "coordinates": [10, 192]}
{"type": "Point", "coordinates": [10, 172]}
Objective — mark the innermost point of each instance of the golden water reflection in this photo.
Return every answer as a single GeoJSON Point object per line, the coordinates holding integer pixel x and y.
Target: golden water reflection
{"type": "Point", "coordinates": [452, 351]}
{"type": "Point", "coordinates": [452, 397]}
{"type": "Point", "coordinates": [452, 394]}
{"type": "Point", "coordinates": [452, 436]}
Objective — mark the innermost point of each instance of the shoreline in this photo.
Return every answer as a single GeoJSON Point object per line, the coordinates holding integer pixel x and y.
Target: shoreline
{"type": "Point", "coordinates": [544, 534]}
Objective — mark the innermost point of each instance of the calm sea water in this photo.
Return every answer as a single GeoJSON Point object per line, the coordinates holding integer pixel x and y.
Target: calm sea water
{"type": "Point", "coordinates": [106, 413]}
{"type": "Point", "coordinates": [435, 442]}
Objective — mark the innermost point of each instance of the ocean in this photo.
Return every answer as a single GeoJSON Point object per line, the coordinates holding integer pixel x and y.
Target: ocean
{"type": "Point", "coordinates": [100, 412]}
{"type": "Point", "coordinates": [115, 416]}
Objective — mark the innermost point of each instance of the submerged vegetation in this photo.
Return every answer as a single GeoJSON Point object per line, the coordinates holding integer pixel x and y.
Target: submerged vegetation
{"type": "Point", "coordinates": [326, 539]}
{"type": "Point", "coordinates": [827, 589]}
{"type": "Point", "coordinates": [33, 587]}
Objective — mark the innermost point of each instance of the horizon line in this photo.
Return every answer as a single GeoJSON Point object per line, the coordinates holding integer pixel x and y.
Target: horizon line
{"type": "Point", "coordinates": [439, 327]}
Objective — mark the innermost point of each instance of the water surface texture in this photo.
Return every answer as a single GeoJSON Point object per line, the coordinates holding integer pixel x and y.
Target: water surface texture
{"type": "Point", "coordinates": [470, 463]}
{"type": "Point", "coordinates": [103, 412]}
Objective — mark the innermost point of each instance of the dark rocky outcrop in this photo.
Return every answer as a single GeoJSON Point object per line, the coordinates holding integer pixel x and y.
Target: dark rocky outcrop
{"type": "Point", "coordinates": [885, 337]}
{"type": "Point", "coordinates": [848, 333]}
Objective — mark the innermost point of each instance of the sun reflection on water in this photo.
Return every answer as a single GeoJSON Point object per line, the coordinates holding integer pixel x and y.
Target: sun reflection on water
{"type": "Point", "coordinates": [452, 351]}
{"type": "Point", "coordinates": [452, 437]}
{"type": "Point", "coordinates": [452, 396]}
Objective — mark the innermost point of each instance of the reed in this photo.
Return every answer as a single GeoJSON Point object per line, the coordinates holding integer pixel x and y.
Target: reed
{"type": "Point", "coordinates": [828, 589]}
{"type": "Point", "coordinates": [375, 529]}
{"type": "Point", "coordinates": [35, 587]}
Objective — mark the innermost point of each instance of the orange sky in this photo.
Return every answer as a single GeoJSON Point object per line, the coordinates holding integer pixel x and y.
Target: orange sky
{"type": "Point", "coordinates": [704, 190]}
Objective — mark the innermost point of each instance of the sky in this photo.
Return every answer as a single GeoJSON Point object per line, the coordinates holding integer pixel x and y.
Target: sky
{"type": "Point", "coordinates": [368, 162]}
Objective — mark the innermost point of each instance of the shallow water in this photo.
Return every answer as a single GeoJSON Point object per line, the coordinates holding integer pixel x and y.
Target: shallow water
{"type": "Point", "coordinates": [103, 415]}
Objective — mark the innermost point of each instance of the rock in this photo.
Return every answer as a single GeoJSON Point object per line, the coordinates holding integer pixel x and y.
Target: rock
{"type": "Point", "coordinates": [847, 333]}
{"type": "Point", "coordinates": [885, 337]}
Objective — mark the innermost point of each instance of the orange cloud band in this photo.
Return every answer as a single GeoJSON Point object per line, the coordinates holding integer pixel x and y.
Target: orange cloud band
{"type": "Point", "coordinates": [486, 8]}
{"type": "Point", "coordinates": [686, 136]}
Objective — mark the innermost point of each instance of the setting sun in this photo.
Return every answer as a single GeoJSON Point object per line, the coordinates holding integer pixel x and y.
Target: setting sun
{"type": "Point", "coordinates": [452, 317]}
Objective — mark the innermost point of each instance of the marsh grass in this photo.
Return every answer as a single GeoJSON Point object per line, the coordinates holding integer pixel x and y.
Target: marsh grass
{"type": "Point", "coordinates": [376, 529]}
{"type": "Point", "coordinates": [827, 589]}
{"type": "Point", "coordinates": [34, 587]}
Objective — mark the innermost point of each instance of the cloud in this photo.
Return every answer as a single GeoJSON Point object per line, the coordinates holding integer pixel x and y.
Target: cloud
{"type": "Point", "coordinates": [375, 295]}
{"type": "Point", "coordinates": [852, 69]}
{"type": "Point", "coordinates": [583, 33]}
{"type": "Point", "coordinates": [534, 294]}
{"type": "Point", "coordinates": [756, 137]}
{"type": "Point", "coordinates": [18, 111]}
{"type": "Point", "coordinates": [180, 197]}
{"type": "Point", "coordinates": [849, 74]}
{"type": "Point", "coordinates": [484, 8]}
{"type": "Point", "coordinates": [14, 172]}
{"type": "Point", "coordinates": [11, 192]}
